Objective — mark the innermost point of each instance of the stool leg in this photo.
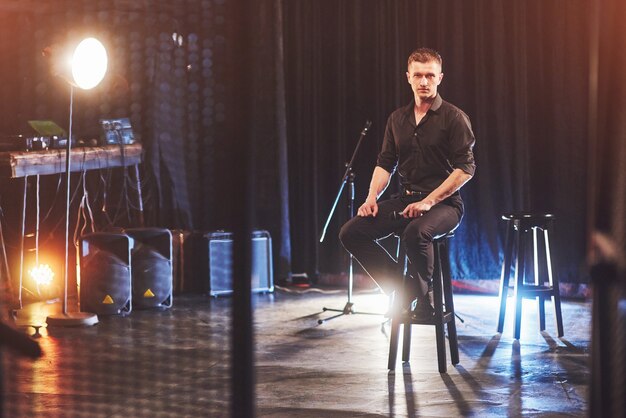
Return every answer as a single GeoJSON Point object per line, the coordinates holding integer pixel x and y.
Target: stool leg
{"type": "Point", "coordinates": [504, 277]}
{"type": "Point", "coordinates": [406, 338]}
{"type": "Point", "coordinates": [448, 298]}
{"type": "Point", "coordinates": [439, 330]}
{"type": "Point", "coordinates": [542, 313]}
{"type": "Point", "coordinates": [406, 341]}
{"type": "Point", "coordinates": [554, 284]}
{"type": "Point", "coordinates": [393, 343]}
{"type": "Point", "coordinates": [441, 348]}
{"type": "Point", "coordinates": [540, 300]}
{"type": "Point", "coordinates": [519, 283]}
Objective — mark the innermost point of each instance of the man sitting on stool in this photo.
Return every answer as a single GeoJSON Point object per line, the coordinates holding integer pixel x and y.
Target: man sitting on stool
{"type": "Point", "coordinates": [430, 143]}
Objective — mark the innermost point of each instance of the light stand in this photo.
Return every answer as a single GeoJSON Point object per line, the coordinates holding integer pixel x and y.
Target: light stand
{"type": "Point", "coordinates": [89, 63]}
{"type": "Point", "coordinates": [348, 178]}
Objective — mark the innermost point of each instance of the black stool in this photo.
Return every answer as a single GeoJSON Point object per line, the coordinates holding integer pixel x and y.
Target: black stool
{"type": "Point", "coordinates": [518, 227]}
{"type": "Point", "coordinates": [442, 292]}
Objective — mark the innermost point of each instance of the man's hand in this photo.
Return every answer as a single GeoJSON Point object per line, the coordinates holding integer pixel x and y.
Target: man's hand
{"type": "Point", "coordinates": [416, 209]}
{"type": "Point", "coordinates": [369, 208]}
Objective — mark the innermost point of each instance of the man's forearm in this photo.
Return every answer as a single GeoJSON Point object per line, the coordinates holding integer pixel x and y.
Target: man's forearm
{"type": "Point", "coordinates": [454, 182]}
{"type": "Point", "coordinates": [379, 183]}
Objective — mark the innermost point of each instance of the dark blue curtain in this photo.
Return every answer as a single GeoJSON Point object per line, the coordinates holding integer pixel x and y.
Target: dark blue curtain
{"type": "Point", "coordinates": [520, 71]}
{"type": "Point", "coordinates": [317, 72]}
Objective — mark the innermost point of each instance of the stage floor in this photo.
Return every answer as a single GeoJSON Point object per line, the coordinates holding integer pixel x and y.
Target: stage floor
{"type": "Point", "coordinates": [176, 363]}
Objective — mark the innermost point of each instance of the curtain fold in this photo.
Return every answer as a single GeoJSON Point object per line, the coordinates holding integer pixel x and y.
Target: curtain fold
{"type": "Point", "coordinates": [266, 90]}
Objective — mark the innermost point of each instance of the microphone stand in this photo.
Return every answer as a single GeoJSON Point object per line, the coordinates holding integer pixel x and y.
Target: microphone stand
{"type": "Point", "coordinates": [348, 178]}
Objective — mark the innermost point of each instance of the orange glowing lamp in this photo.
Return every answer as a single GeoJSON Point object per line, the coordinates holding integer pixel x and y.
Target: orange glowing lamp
{"type": "Point", "coordinates": [42, 274]}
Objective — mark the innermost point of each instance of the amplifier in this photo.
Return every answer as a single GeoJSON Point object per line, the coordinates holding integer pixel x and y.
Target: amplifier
{"type": "Point", "coordinates": [60, 142]}
{"type": "Point", "coordinates": [220, 248]}
{"type": "Point", "coordinates": [117, 132]}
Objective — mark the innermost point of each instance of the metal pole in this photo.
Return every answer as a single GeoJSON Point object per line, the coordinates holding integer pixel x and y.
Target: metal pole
{"type": "Point", "coordinates": [68, 150]}
{"type": "Point", "coordinates": [19, 291]}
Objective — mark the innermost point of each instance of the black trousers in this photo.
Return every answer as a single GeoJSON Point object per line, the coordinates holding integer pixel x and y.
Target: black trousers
{"type": "Point", "coordinates": [360, 237]}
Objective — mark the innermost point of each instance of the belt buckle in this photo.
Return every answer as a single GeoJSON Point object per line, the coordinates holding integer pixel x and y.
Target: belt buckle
{"type": "Point", "coordinates": [414, 193]}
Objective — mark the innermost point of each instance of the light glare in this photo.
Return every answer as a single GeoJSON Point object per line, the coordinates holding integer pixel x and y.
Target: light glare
{"type": "Point", "coordinates": [89, 63]}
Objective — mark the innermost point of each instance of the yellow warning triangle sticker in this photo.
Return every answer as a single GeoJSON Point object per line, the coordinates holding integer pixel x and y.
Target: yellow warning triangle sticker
{"type": "Point", "coordinates": [148, 294]}
{"type": "Point", "coordinates": [108, 300]}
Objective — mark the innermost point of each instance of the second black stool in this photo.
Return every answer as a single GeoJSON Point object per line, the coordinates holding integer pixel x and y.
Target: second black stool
{"type": "Point", "coordinates": [444, 311]}
{"type": "Point", "coordinates": [518, 228]}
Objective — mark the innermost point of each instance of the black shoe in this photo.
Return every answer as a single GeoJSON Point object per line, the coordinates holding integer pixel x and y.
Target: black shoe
{"type": "Point", "coordinates": [423, 312]}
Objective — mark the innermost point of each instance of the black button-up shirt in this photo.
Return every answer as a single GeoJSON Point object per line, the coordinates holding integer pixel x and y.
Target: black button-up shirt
{"type": "Point", "coordinates": [426, 154]}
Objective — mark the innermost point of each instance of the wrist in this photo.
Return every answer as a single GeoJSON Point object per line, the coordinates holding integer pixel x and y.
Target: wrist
{"type": "Point", "coordinates": [429, 201]}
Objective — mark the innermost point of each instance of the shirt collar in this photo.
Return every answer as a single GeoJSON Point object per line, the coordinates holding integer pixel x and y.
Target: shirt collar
{"type": "Point", "coordinates": [435, 106]}
{"type": "Point", "coordinates": [437, 103]}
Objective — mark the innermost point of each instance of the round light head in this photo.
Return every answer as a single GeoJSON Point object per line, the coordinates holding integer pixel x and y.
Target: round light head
{"type": "Point", "coordinates": [89, 63]}
{"type": "Point", "coordinates": [42, 274]}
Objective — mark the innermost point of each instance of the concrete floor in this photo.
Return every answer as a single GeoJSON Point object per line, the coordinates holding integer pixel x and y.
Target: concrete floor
{"type": "Point", "coordinates": [175, 363]}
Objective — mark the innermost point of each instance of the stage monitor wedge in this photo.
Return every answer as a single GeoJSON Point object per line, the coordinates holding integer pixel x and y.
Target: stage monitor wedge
{"type": "Point", "coordinates": [152, 267]}
{"type": "Point", "coordinates": [105, 273]}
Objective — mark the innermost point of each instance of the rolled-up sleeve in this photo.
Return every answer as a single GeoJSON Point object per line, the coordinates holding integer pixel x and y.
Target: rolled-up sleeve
{"type": "Point", "coordinates": [388, 156]}
{"type": "Point", "coordinates": [462, 142]}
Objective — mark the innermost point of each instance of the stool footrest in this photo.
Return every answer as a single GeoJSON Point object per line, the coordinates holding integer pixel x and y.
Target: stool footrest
{"type": "Point", "coordinates": [532, 290]}
{"type": "Point", "coordinates": [446, 317]}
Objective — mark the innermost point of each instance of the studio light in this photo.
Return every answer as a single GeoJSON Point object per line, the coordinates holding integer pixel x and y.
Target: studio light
{"type": "Point", "coordinates": [42, 274]}
{"type": "Point", "coordinates": [41, 278]}
{"type": "Point", "coordinates": [89, 63]}
{"type": "Point", "coordinates": [88, 67]}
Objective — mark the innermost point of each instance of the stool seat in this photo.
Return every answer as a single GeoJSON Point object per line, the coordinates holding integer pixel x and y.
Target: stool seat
{"type": "Point", "coordinates": [522, 230]}
{"type": "Point", "coordinates": [525, 220]}
{"type": "Point", "coordinates": [527, 215]}
{"type": "Point", "coordinates": [444, 236]}
{"type": "Point", "coordinates": [444, 311]}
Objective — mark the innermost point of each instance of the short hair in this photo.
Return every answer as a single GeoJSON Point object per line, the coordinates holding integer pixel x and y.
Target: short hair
{"type": "Point", "coordinates": [425, 55]}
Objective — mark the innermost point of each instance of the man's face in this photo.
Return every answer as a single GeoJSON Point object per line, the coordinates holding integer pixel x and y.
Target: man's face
{"type": "Point", "coordinates": [424, 78]}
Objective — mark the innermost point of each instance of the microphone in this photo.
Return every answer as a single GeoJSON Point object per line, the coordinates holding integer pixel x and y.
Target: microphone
{"type": "Point", "coordinates": [367, 127]}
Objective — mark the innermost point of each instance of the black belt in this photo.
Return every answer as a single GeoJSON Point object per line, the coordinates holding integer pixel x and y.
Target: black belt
{"type": "Point", "coordinates": [408, 192]}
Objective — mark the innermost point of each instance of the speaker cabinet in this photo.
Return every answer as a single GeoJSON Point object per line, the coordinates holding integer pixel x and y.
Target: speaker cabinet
{"type": "Point", "coordinates": [105, 273]}
{"type": "Point", "coordinates": [179, 240]}
{"type": "Point", "coordinates": [190, 263]}
{"type": "Point", "coordinates": [220, 249]}
{"type": "Point", "coordinates": [152, 270]}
